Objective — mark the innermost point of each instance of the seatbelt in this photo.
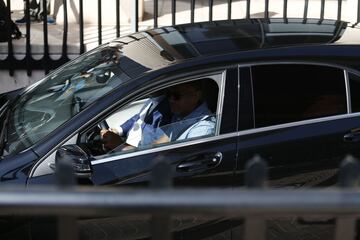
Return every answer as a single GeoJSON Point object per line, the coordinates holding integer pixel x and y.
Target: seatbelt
{"type": "Point", "coordinates": [135, 133]}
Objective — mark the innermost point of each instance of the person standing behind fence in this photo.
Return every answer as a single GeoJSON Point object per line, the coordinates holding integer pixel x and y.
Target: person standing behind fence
{"type": "Point", "coordinates": [58, 4]}
{"type": "Point", "coordinates": [37, 12]}
{"type": "Point", "coordinates": [8, 29]}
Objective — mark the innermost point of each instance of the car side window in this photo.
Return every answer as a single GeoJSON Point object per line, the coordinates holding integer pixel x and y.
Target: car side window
{"type": "Point", "coordinates": [354, 92]}
{"type": "Point", "coordinates": [178, 113]}
{"type": "Point", "coordinates": [287, 93]}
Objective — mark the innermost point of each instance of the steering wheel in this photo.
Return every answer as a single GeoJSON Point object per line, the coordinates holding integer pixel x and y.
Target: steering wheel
{"type": "Point", "coordinates": [94, 141]}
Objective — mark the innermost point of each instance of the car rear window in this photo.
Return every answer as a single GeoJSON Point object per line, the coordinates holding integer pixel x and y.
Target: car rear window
{"type": "Point", "coordinates": [292, 92]}
{"type": "Point", "coordinates": [355, 92]}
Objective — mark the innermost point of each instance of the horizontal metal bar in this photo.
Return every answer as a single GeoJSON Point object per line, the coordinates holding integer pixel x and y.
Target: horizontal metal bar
{"type": "Point", "coordinates": [232, 203]}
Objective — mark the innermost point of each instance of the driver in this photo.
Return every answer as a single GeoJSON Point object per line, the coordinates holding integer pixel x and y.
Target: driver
{"type": "Point", "coordinates": [141, 129]}
{"type": "Point", "coordinates": [155, 123]}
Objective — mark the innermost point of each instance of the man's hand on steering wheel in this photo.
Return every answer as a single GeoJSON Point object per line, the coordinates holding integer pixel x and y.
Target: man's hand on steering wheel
{"type": "Point", "coordinates": [111, 139]}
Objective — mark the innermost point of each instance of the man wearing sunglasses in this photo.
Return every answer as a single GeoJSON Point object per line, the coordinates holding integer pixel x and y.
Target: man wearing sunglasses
{"type": "Point", "coordinates": [181, 114]}
{"type": "Point", "coordinates": [190, 113]}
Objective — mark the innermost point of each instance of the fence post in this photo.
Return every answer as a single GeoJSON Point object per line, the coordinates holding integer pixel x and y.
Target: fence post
{"type": "Point", "coordinates": [135, 16]}
{"type": "Point", "coordinates": [161, 178]}
{"type": "Point", "coordinates": [67, 226]}
{"type": "Point", "coordinates": [349, 176]}
{"type": "Point", "coordinates": [358, 12]}
{"type": "Point", "coordinates": [256, 176]}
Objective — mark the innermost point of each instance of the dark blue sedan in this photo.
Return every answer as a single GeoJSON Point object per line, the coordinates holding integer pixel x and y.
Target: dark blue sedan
{"type": "Point", "coordinates": [286, 90]}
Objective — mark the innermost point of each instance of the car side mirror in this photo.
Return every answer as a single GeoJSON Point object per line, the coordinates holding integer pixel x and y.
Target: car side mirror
{"type": "Point", "coordinates": [78, 157]}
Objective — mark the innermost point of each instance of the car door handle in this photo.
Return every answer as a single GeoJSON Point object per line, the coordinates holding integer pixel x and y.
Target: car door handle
{"type": "Point", "coordinates": [201, 163]}
{"type": "Point", "coordinates": [352, 137]}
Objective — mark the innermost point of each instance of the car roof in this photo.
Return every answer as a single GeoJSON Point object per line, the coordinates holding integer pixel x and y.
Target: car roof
{"type": "Point", "coordinates": [160, 47]}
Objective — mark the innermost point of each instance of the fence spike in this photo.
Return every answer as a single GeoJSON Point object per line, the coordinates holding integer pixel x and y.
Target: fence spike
{"type": "Point", "coordinates": [349, 175]}
{"type": "Point", "coordinates": [256, 172]}
{"type": "Point", "coordinates": [64, 173]}
{"type": "Point", "coordinates": [161, 174]}
{"type": "Point", "coordinates": [67, 225]}
{"type": "Point", "coordinates": [161, 178]}
{"type": "Point", "coordinates": [256, 176]}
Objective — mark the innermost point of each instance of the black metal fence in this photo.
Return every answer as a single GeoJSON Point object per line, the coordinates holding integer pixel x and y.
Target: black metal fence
{"type": "Point", "coordinates": [47, 63]}
{"type": "Point", "coordinates": [255, 204]}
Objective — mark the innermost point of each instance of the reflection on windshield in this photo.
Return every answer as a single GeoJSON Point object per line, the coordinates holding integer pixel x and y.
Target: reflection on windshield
{"type": "Point", "coordinates": [62, 95]}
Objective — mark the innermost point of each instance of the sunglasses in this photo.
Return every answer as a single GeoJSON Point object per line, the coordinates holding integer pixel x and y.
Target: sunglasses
{"type": "Point", "coordinates": [176, 96]}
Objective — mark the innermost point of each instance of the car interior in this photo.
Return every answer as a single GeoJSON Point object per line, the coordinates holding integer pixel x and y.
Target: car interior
{"type": "Point", "coordinates": [93, 141]}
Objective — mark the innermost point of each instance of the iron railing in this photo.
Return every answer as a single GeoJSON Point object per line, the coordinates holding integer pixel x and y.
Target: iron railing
{"type": "Point", "coordinates": [47, 63]}
{"type": "Point", "coordinates": [255, 204]}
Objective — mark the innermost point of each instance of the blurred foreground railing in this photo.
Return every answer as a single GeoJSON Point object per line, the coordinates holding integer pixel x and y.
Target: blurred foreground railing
{"type": "Point", "coordinates": [255, 205]}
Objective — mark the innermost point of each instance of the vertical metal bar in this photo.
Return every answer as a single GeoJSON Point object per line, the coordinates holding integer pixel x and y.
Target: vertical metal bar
{"type": "Point", "coordinates": [67, 228]}
{"type": "Point", "coordinates": [117, 18]}
{"type": "Point", "coordinates": [229, 9]}
{"type": "Point", "coordinates": [345, 228]}
{"type": "Point", "coordinates": [135, 16]}
{"type": "Point", "coordinates": [306, 8]}
{"type": "Point", "coordinates": [81, 25]}
{"type": "Point", "coordinates": [28, 45]}
{"type": "Point", "coordinates": [66, 29]}
{"type": "Point", "coordinates": [255, 229]}
{"type": "Point", "coordinates": [64, 173]}
{"type": "Point", "coordinates": [46, 56]}
{"type": "Point", "coordinates": [161, 178]}
{"type": "Point", "coordinates": [358, 12]}
{"type": "Point", "coordinates": [155, 13]}
{"type": "Point", "coordinates": [173, 12]}
{"type": "Point", "coordinates": [322, 10]}
{"type": "Point", "coordinates": [99, 22]}
{"type": "Point", "coordinates": [211, 6]}
{"type": "Point", "coordinates": [266, 13]}
{"type": "Point", "coordinates": [161, 174]}
{"type": "Point", "coordinates": [247, 8]}
{"type": "Point", "coordinates": [256, 176]}
{"type": "Point", "coordinates": [67, 225]}
{"type": "Point", "coordinates": [192, 11]}
{"type": "Point", "coordinates": [339, 10]}
{"type": "Point", "coordinates": [285, 9]}
{"type": "Point", "coordinates": [349, 176]}
{"type": "Point", "coordinates": [10, 57]}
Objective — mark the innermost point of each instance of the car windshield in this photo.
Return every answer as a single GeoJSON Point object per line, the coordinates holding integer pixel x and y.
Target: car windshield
{"type": "Point", "coordinates": [51, 102]}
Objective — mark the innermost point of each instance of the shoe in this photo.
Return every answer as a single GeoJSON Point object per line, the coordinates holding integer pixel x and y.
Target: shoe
{"type": "Point", "coordinates": [51, 20]}
{"type": "Point", "coordinates": [21, 20]}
